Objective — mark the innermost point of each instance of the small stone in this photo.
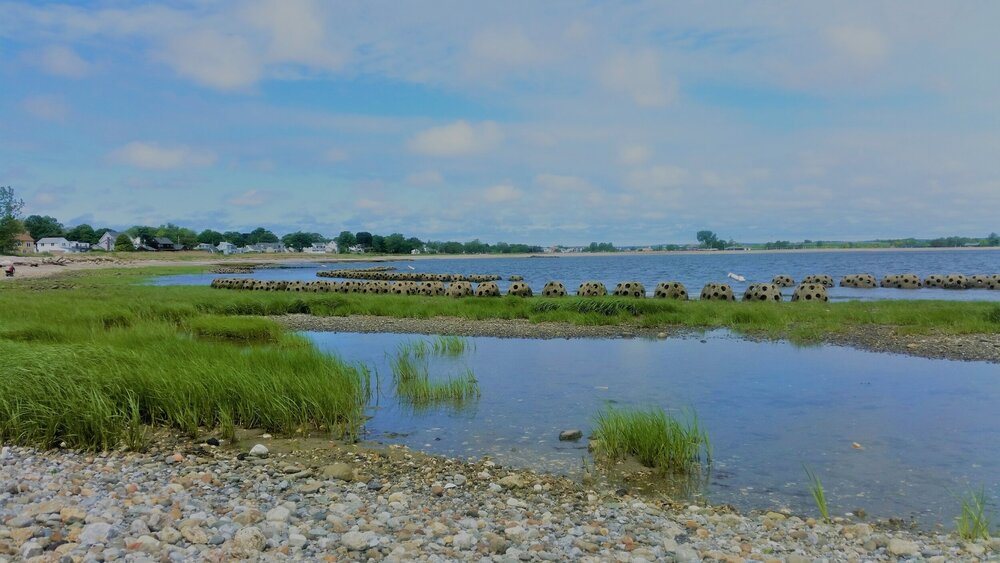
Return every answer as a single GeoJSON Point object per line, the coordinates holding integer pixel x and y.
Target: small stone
{"type": "Point", "coordinates": [259, 450]}
{"type": "Point", "coordinates": [339, 471]}
{"type": "Point", "coordinates": [512, 482]}
{"type": "Point", "coordinates": [296, 540]}
{"type": "Point", "coordinates": [31, 549]}
{"type": "Point", "coordinates": [249, 539]}
{"type": "Point", "coordinates": [374, 485]}
{"type": "Point", "coordinates": [570, 435]}
{"type": "Point", "coordinates": [459, 479]}
{"type": "Point", "coordinates": [213, 442]}
{"type": "Point", "coordinates": [146, 544]}
{"type": "Point", "coordinates": [169, 535]}
{"type": "Point", "coordinates": [5, 453]}
{"type": "Point", "coordinates": [355, 541]}
{"type": "Point", "coordinates": [195, 534]}
{"type": "Point", "coordinates": [278, 514]}
{"type": "Point", "coordinates": [437, 490]}
{"type": "Point", "coordinates": [975, 549]}
{"type": "Point", "coordinates": [903, 547]}
{"type": "Point", "coordinates": [96, 533]}
{"type": "Point", "coordinates": [217, 539]}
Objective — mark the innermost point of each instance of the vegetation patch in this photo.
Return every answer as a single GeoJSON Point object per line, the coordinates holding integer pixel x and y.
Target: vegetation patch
{"type": "Point", "coordinates": [414, 384]}
{"type": "Point", "coordinates": [654, 438]}
{"type": "Point", "coordinates": [235, 329]}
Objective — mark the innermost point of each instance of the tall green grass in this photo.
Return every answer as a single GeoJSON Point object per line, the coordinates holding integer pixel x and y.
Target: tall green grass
{"type": "Point", "coordinates": [654, 437]}
{"type": "Point", "coordinates": [974, 520]}
{"type": "Point", "coordinates": [818, 494]}
{"type": "Point", "coordinates": [414, 384]}
{"type": "Point", "coordinates": [95, 367]}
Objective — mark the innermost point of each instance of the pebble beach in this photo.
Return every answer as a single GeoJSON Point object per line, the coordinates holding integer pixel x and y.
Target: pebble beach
{"type": "Point", "coordinates": [195, 501]}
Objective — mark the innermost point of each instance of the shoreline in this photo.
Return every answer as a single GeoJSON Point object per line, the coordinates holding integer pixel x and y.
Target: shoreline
{"type": "Point", "coordinates": [314, 499]}
{"type": "Point", "coordinates": [879, 339]}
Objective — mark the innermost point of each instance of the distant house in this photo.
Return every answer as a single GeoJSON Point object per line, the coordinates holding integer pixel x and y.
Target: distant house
{"type": "Point", "coordinates": [356, 249]}
{"type": "Point", "coordinates": [206, 247]}
{"type": "Point", "coordinates": [269, 247]}
{"type": "Point", "coordinates": [163, 243]}
{"type": "Point", "coordinates": [107, 241]}
{"type": "Point", "coordinates": [228, 248]}
{"type": "Point", "coordinates": [322, 248]}
{"type": "Point", "coordinates": [24, 244]}
{"type": "Point", "coordinates": [415, 251]}
{"type": "Point", "coordinates": [60, 244]}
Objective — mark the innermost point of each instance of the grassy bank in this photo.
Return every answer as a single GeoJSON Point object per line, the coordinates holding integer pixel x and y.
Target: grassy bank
{"type": "Point", "coordinates": [95, 364]}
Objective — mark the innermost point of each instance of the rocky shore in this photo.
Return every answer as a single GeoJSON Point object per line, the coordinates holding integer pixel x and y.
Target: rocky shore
{"type": "Point", "coordinates": [966, 347]}
{"type": "Point", "coordinates": [322, 501]}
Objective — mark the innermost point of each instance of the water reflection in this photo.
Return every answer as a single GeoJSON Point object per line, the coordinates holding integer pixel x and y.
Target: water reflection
{"type": "Point", "coordinates": [924, 426]}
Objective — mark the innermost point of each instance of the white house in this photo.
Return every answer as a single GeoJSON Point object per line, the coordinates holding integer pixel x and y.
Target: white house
{"type": "Point", "coordinates": [107, 241]}
{"type": "Point", "coordinates": [328, 248]}
{"type": "Point", "coordinates": [356, 249]}
{"type": "Point", "coordinates": [60, 244]}
{"type": "Point", "coordinates": [228, 248]}
{"type": "Point", "coordinates": [206, 247]}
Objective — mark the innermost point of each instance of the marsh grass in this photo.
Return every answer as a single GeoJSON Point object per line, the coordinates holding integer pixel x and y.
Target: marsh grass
{"type": "Point", "coordinates": [974, 520]}
{"type": "Point", "coordinates": [100, 366]}
{"type": "Point", "coordinates": [818, 493]}
{"type": "Point", "coordinates": [654, 437]}
{"type": "Point", "coordinates": [414, 384]}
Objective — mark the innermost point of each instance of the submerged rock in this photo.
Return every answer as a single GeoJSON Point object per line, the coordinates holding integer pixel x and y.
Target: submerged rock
{"type": "Point", "coordinates": [570, 435]}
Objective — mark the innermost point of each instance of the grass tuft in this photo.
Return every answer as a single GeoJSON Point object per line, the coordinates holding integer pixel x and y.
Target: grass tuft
{"type": "Point", "coordinates": [414, 385]}
{"type": "Point", "coordinates": [818, 493]}
{"type": "Point", "coordinates": [656, 439]}
{"type": "Point", "coordinates": [974, 521]}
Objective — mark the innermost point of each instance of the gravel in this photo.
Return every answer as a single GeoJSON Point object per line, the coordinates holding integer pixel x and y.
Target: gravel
{"type": "Point", "coordinates": [211, 505]}
{"type": "Point", "coordinates": [967, 347]}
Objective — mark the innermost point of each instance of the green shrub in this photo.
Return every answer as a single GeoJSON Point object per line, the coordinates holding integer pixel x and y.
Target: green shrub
{"type": "Point", "coordinates": [655, 438]}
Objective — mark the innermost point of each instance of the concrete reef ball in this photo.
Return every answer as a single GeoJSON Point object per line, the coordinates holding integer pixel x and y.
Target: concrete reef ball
{"type": "Point", "coordinates": [810, 292]}
{"type": "Point", "coordinates": [822, 279]}
{"type": "Point", "coordinates": [459, 289]}
{"type": "Point", "coordinates": [783, 280]}
{"type": "Point", "coordinates": [431, 288]}
{"type": "Point", "coordinates": [515, 278]}
{"type": "Point", "coordinates": [632, 289]}
{"type": "Point", "coordinates": [994, 282]}
{"type": "Point", "coordinates": [717, 292]}
{"type": "Point", "coordinates": [592, 289]}
{"type": "Point", "coordinates": [519, 289]}
{"type": "Point", "coordinates": [956, 281]}
{"type": "Point", "coordinates": [671, 290]}
{"type": "Point", "coordinates": [863, 281]}
{"type": "Point", "coordinates": [762, 292]}
{"type": "Point", "coordinates": [979, 281]}
{"type": "Point", "coordinates": [488, 289]}
{"type": "Point", "coordinates": [554, 289]}
{"type": "Point", "coordinates": [375, 287]}
{"type": "Point", "coordinates": [404, 288]}
{"type": "Point", "coordinates": [902, 281]}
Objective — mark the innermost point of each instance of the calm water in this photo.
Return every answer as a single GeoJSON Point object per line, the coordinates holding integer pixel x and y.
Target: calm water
{"type": "Point", "coordinates": [694, 270]}
{"type": "Point", "coordinates": [927, 427]}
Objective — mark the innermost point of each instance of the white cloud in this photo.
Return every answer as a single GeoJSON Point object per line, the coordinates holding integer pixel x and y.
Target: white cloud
{"type": "Point", "coordinates": [215, 59]}
{"type": "Point", "coordinates": [457, 139]}
{"type": "Point", "coordinates": [250, 198]}
{"type": "Point", "coordinates": [296, 32]}
{"type": "Point", "coordinates": [63, 61]}
{"type": "Point", "coordinates": [48, 108]}
{"type": "Point", "coordinates": [865, 46]}
{"type": "Point", "coordinates": [335, 155]}
{"type": "Point", "coordinates": [631, 155]}
{"type": "Point", "coordinates": [638, 76]}
{"type": "Point", "coordinates": [157, 157]}
{"type": "Point", "coordinates": [501, 193]}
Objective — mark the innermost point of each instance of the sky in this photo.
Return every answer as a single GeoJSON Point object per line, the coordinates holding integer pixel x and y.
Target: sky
{"type": "Point", "coordinates": [556, 122]}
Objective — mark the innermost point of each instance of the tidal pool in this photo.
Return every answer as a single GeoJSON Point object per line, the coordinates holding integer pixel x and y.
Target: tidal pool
{"type": "Point", "coordinates": [928, 429]}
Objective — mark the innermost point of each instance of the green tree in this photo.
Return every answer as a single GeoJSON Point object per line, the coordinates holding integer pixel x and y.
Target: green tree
{"type": "Point", "coordinates": [83, 233]}
{"type": "Point", "coordinates": [239, 239]}
{"type": "Point", "coordinates": [378, 243]}
{"type": "Point", "coordinates": [10, 226]}
{"type": "Point", "coordinates": [123, 243]}
{"type": "Point", "coordinates": [208, 236]}
{"type": "Point", "coordinates": [364, 238]}
{"type": "Point", "coordinates": [476, 246]}
{"type": "Point", "coordinates": [707, 238]}
{"type": "Point", "coordinates": [41, 227]}
{"type": "Point", "coordinates": [143, 233]}
{"type": "Point", "coordinates": [993, 240]}
{"type": "Point", "coordinates": [260, 234]}
{"type": "Point", "coordinates": [345, 240]}
{"type": "Point", "coordinates": [299, 240]}
{"type": "Point", "coordinates": [413, 243]}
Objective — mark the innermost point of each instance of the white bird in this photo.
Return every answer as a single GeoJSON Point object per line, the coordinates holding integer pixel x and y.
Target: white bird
{"type": "Point", "coordinates": [736, 277]}
{"type": "Point", "coordinates": [410, 267]}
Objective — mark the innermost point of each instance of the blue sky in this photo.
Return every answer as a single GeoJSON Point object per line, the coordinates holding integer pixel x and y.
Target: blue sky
{"type": "Point", "coordinates": [548, 122]}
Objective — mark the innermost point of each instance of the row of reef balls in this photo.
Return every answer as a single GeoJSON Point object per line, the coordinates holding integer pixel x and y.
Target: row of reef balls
{"type": "Point", "coordinates": [899, 281]}
{"type": "Point", "coordinates": [370, 274]}
{"type": "Point", "coordinates": [634, 289]}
